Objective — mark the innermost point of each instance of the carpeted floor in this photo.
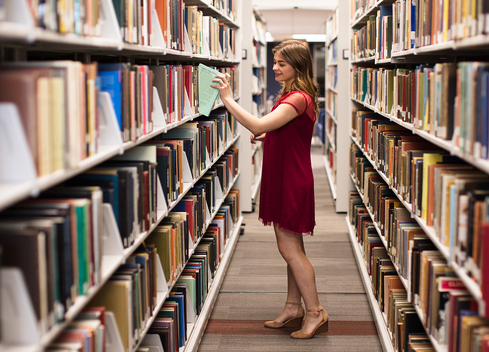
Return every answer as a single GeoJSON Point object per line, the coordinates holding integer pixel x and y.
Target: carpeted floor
{"type": "Point", "coordinates": [254, 288]}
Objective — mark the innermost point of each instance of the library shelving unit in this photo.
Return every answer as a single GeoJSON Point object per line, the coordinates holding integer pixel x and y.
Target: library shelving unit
{"type": "Point", "coordinates": [336, 148]}
{"type": "Point", "coordinates": [254, 83]}
{"type": "Point", "coordinates": [387, 36]}
{"type": "Point", "coordinates": [21, 40]}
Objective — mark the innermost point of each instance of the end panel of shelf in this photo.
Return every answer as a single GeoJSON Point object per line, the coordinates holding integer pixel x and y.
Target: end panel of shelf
{"type": "Point", "coordinates": [384, 334]}
{"type": "Point", "coordinates": [197, 332]}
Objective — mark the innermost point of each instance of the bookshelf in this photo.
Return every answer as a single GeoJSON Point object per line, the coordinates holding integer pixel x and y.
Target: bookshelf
{"type": "Point", "coordinates": [336, 103]}
{"type": "Point", "coordinates": [387, 38]}
{"type": "Point", "coordinates": [103, 41]}
{"type": "Point", "coordinates": [254, 81]}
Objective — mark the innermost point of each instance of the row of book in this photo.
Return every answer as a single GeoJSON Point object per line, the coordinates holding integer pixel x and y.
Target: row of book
{"type": "Point", "coordinates": [258, 54]}
{"type": "Point", "coordinates": [175, 17]}
{"type": "Point", "coordinates": [445, 192]}
{"type": "Point", "coordinates": [331, 103]}
{"type": "Point", "coordinates": [228, 6]}
{"type": "Point", "coordinates": [61, 236]}
{"type": "Point", "coordinates": [82, 18]}
{"type": "Point", "coordinates": [332, 53]}
{"type": "Point", "coordinates": [258, 28]}
{"type": "Point", "coordinates": [63, 131]}
{"type": "Point", "coordinates": [174, 241]}
{"type": "Point", "coordinates": [175, 84]}
{"type": "Point", "coordinates": [404, 325]}
{"type": "Point", "coordinates": [447, 100]}
{"type": "Point", "coordinates": [69, 217]}
{"type": "Point", "coordinates": [135, 22]}
{"type": "Point", "coordinates": [88, 332]}
{"type": "Point", "coordinates": [201, 141]}
{"type": "Point", "coordinates": [194, 279]}
{"type": "Point", "coordinates": [332, 76]}
{"type": "Point", "coordinates": [446, 310]}
{"type": "Point", "coordinates": [374, 39]}
{"type": "Point", "coordinates": [449, 20]}
{"type": "Point", "coordinates": [60, 132]}
{"type": "Point", "coordinates": [332, 26]}
{"type": "Point", "coordinates": [359, 7]}
{"type": "Point", "coordinates": [131, 292]}
{"type": "Point", "coordinates": [363, 40]}
{"type": "Point", "coordinates": [258, 80]}
{"type": "Point", "coordinates": [429, 22]}
{"type": "Point", "coordinates": [204, 32]}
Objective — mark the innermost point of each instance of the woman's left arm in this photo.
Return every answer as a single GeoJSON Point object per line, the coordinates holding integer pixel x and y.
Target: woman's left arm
{"type": "Point", "coordinates": [279, 117]}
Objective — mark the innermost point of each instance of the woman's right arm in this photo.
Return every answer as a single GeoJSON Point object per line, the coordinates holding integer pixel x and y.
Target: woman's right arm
{"type": "Point", "coordinates": [279, 117]}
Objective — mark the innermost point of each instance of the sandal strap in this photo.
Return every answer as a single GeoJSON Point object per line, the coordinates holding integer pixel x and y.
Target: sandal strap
{"type": "Point", "coordinates": [315, 310]}
{"type": "Point", "coordinates": [295, 304]}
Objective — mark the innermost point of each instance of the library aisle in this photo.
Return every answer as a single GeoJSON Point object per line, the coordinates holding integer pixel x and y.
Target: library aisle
{"type": "Point", "coordinates": [254, 287]}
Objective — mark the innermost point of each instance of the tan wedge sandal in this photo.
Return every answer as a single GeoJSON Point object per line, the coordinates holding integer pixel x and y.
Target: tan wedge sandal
{"type": "Point", "coordinates": [294, 322]}
{"type": "Point", "coordinates": [322, 327]}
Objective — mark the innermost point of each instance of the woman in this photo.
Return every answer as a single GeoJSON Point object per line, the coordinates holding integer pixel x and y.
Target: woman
{"type": "Point", "coordinates": [287, 189]}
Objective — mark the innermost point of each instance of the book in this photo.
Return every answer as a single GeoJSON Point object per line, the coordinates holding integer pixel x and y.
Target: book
{"type": "Point", "coordinates": [207, 94]}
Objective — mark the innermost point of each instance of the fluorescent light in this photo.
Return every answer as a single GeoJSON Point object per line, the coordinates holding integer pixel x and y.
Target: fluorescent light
{"type": "Point", "coordinates": [311, 37]}
{"type": "Point", "coordinates": [269, 37]}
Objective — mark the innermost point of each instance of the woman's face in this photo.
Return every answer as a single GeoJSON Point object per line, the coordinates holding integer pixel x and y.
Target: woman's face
{"type": "Point", "coordinates": [283, 71]}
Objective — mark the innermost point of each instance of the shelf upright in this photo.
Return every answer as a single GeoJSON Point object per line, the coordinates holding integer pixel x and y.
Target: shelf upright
{"type": "Point", "coordinates": [451, 47]}
{"type": "Point", "coordinates": [337, 106]}
{"type": "Point", "coordinates": [20, 40]}
{"type": "Point", "coordinates": [253, 99]}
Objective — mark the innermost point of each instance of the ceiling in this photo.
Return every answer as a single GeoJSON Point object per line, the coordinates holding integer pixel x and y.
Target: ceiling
{"type": "Point", "coordinates": [287, 17]}
{"type": "Point", "coordinates": [290, 4]}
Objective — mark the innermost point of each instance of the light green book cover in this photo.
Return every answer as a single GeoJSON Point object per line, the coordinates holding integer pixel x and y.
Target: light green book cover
{"type": "Point", "coordinates": [192, 289]}
{"type": "Point", "coordinates": [207, 94]}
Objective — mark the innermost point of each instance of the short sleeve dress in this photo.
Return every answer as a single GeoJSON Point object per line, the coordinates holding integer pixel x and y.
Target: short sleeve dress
{"type": "Point", "coordinates": [287, 186]}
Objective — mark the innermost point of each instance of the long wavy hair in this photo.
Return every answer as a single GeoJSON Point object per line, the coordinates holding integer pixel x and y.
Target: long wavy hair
{"type": "Point", "coordinates": [296, 53]}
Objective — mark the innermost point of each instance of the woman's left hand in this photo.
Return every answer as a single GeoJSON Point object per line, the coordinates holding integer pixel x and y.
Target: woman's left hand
{"type": "Point", "coordinates": [224, 87]}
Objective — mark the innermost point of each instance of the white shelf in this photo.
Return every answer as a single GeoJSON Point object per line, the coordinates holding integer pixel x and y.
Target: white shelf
{"type": "Point", "coordinates": [332, 89]}
{"type": "Point", "coordinates": [469, 283]}
{"type": "Point", "coordinates": [340, 182]}
{"type": "Point", "coordinates": [332, 39]}
{"type": "Point", "coordinates": [362, 20]}
{"type": "Point", "coordinates": [404, 281]}
{"type": "Point", "coordinates": [436, 345]}
{"type": "Point", "coordinates": [163, 296]}
{"type": "Point", "coordinates": [26, 37]}
{"type": "Point", "coordinates": [15, 192]}
{"type": "Point", "coordinates": [448, 145]}
{"type": "Point", "coordinates": [82, 301]}
{"type": "Point", "coordinates": [331, 141]}
{"type": "Point", "coordinates": [197, 332]}
{"type": "Point", "coordinates": [331, 116]}
{"type": "Point", "coordinates": [329, 173]}
{"type": "Point", "coordinates": [256, 186]}
{"type": "Point", "coordinates": [474, 42]}
{"type": "Point", "coordinates": [383, 331]}
{"type": "Point", "coordinates": [367, 59]}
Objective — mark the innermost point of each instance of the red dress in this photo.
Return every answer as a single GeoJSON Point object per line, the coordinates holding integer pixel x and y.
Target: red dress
{"type": "Point", "coordinates": [287, 186]}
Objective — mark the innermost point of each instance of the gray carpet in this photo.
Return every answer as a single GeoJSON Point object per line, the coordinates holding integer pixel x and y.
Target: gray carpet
{"type": "Point", "coordinates": [255, 284]}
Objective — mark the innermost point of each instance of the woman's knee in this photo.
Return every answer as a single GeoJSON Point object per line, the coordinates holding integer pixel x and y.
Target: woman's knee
{"type": "Point", "coordinates": [288, 251]}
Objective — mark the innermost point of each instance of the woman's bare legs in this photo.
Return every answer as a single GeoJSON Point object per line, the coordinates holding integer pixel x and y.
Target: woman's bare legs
{"type": "Point", "coordinates": [301, 279]}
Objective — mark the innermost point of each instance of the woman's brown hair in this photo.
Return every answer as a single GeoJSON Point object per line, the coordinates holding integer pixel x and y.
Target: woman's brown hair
{"type": "Point", "coordinates": [296, 53]}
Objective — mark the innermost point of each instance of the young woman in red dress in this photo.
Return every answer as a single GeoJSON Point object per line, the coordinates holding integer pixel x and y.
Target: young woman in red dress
{"type": "Point", "coordinates": [287, 186]}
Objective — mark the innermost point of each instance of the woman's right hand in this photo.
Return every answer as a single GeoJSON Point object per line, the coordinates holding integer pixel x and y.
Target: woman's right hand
{"type": "Point", "coordinates": [260, 138]}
